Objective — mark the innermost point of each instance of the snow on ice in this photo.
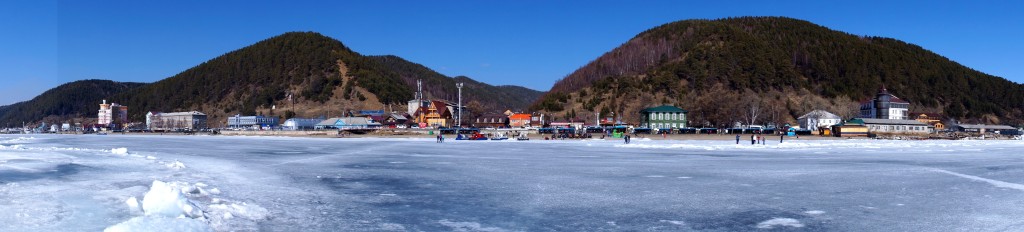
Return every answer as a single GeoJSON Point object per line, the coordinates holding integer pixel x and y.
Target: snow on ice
{"type": "Point", "coordinates": [778, 222]}
{"type": "Point", "coordinates": [214, 183]}
{"type": "Point", "coordinates": [119, 151]}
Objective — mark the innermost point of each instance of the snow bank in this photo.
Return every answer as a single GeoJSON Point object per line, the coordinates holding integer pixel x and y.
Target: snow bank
{"type": "Point", "coordinates": [236, 216]}
{"type": "Point", "coordinates": [119, 151]}
{"type": "Point", "coordinates": [180, 206]}
{"type": "Point", "coordinates": [176, 165]}
{"type": "Point", "coordinates": [814, 212]}
{"type": "Point", "coordinates": [166, 200]}
{"type": "Point", "coordinates": [133, 205]}
{"type": "Point", "coordinates": [166, 209]}
{"type": "Point", "coordinates": [17, 140]}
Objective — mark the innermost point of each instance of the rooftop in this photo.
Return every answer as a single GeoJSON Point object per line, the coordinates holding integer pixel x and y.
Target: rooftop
{"type": "Point", "coordinates": [891, 121]}
{"type": "Point", "coordinates": [664, 109]}
{"type": "Point", "coordinates": [987, 127]}
{"type": "Point", "coordinates": [820, 114]}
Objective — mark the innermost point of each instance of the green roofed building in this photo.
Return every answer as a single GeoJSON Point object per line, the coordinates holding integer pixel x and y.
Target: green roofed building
{"type": "Point", "coordinates": [663, 117]}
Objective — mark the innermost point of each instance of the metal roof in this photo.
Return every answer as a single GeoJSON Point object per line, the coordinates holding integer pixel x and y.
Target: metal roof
{"type": "Point", "coordinates": [987, 127]}
{"type": "Point", "coordinates": [892, 121]}
{"type": "Point", "coordinates": [181, 113]}
{"type": "Point", "coordinates": [820, 114]}
{"type": "Point", "coordinates": [664, 108]}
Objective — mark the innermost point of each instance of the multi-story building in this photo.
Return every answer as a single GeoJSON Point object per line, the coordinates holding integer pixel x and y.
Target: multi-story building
{"type": "Point", "coordinates": [663, 117]}
{"type": "Point", "coordinates": [193, 120]}
{"type": "Point", "coordinates": [112, 114]}
{"type": "Point", "coordinates": [884, 106]}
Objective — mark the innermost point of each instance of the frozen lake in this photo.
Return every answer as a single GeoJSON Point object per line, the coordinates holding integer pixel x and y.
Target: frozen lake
{"type": "Point", "coordinates": [87, 183]}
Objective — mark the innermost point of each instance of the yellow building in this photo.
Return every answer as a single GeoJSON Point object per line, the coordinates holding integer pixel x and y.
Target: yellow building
{"type": "Point", "coordinates": [932, 119]}
{"type": "Point", "coordinates": [436, 114]}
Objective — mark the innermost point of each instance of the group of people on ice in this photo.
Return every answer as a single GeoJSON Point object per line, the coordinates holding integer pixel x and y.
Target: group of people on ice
{"type": "Point", "coordinates": [759, 139]}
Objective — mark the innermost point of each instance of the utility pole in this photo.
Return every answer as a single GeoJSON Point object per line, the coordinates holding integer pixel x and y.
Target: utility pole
{"type": "Point", "coordinates": [459, 85]}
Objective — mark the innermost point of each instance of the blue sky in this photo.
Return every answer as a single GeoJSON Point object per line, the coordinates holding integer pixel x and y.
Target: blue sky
{"type": "Point", "coordinates": [528, 43]}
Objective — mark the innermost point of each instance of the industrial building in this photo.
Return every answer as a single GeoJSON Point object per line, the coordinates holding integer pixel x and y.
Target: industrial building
{"type": "Point", "coordinates": [192, 120]}
{"type": "Point", "coordinates": [256, 122]}
{"type": "Point", "coordinates": [300, 123]}
{"type": "Point", "coordinates": [984, 129]}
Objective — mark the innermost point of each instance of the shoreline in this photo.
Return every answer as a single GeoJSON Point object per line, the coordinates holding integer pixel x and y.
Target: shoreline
{"type": "Point", "coordinates": [425, 135]}
{"type": "Point", "coordinates": [533, 136]}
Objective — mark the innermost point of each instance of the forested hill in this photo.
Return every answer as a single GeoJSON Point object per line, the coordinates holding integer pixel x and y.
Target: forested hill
{"type": "Point", "coordinates": [322, 76]}
{"type": "Point", "coordinates": [718, 68]}
{"type": "Point", "coordinates": [481, 96]}
{"type": "Point", "coordinates": [79, 99]}
{"type": "Point", "coordinates": [314, 69]}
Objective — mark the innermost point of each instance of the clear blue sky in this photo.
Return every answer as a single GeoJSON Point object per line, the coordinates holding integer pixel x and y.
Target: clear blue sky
{"type": "Point", "coordinates": [528, 43]}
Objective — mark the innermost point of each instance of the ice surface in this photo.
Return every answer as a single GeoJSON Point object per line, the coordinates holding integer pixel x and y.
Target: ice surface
{"type": "Point", "coordinates": [76, 183]}
{"type": "Point", "coordinates": [160, 224]}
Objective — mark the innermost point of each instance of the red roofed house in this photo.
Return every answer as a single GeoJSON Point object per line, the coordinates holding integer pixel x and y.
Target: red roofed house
{"type": "Point", "coordinates": [519, 120]}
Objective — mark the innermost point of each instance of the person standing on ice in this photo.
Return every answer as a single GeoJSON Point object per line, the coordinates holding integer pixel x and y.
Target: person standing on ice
{"type": "Point", "coordinates": [737, 139]}
{"type": "Point", "coordinates": [753, 139]}
{"type": "Point", "coordinates": [781, 137]}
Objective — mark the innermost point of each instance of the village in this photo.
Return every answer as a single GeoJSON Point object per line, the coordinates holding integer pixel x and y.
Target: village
{"type": "Point", "coordinates": [885, 116]}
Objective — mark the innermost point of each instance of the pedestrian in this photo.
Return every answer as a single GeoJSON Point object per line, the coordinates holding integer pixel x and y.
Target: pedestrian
{"type": "Point", "coordinates": [437, 139]}
{"type": "Point", "coordinates": [753, 139]}
{"type": "Point", "coordinates": [763, 140]}
{"type": "Point", "coordinates": [737, 139]}
{"type": "Point", "coordinates": [625, 139]}
{"type": "Point", "coordinates": [781, 137]}
{"type": "Point", "coordinates": [442, 137]}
